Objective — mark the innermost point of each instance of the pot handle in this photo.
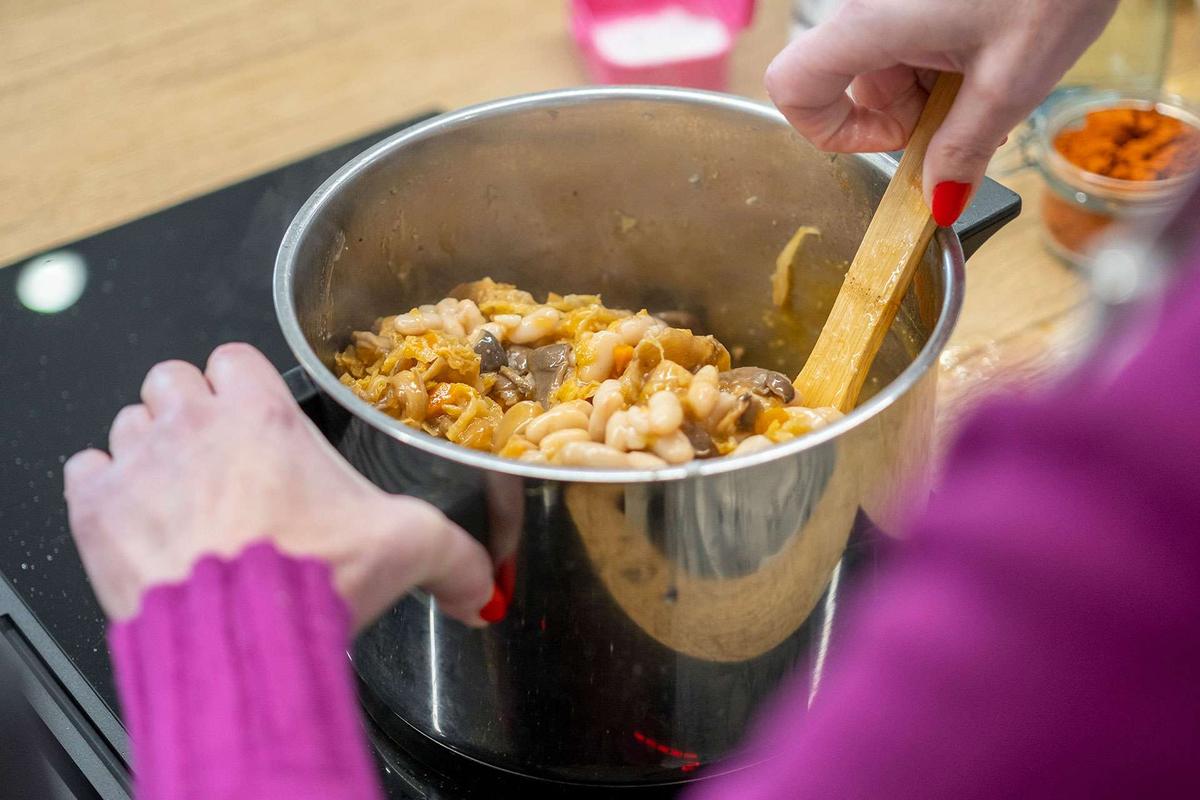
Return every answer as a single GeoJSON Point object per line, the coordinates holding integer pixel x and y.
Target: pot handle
{"type": "Point", "coordinates": [304, 391]}
{"type": "Point", "coordinates": [993, 207]}
{"type": "Point", "coordinates": [327, 415]}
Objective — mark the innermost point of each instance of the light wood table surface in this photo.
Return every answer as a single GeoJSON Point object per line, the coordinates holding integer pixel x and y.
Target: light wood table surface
{"type": "Point", "coordinates": [111, 109]}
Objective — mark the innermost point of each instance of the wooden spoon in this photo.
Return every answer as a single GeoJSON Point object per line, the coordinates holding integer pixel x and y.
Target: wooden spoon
{"type": "Point", "coordinates": [880, 273]}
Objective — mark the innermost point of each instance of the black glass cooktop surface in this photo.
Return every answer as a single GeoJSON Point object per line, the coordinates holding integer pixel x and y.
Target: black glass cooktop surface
{"type": "Point", "coordinates": [171, 285]}
{"type": "Point", "coordinates": [81, 325]}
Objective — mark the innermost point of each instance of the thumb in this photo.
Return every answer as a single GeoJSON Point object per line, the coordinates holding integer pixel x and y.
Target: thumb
{"type": "Point", "coordinates": [959, 152]}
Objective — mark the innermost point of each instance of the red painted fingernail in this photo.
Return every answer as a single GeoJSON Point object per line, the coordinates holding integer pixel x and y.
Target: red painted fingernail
{"type": "Point", "coordinates": [949, 200]}
{"type": "Point", "coordinates": [496, 608]}
{"type": "Point", "coordinates": [506, 576]}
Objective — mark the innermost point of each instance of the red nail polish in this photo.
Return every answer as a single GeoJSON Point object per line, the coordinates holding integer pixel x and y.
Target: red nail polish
{"type": "Point", "coordinates": [506, 576]}
{"type": "Point", "coordinates": [949, 200]}
{"type": "Point", "coordinates": [496, 608]}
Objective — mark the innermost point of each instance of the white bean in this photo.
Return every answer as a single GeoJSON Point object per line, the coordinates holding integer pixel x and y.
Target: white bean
{"type": "Point", "coordinates": [752, 444]}
{"type": "Point", "coordinates": [507, 321]}
{"type": "Point", "coordinates": [808, 417]}
{"type": "Point", "coordinates": [828, 414]}
{"type": "Point", "coordinates": [556, 419]}
{"type": "Point", "coordinates": [533, 456]}
{"type": "Point", "coordinates": [536, 325]}
{"type": "Point", "coordinates": [674, 449]}
{"type": "Point", "coordinates": [451, 325]}
{"type": "Point", "coordinates": [665, 412]}
{"type": "Point", "coordinates": [410, 324]}
{"type": "Point", "coordinates": [553, 442]}
{"type": "Point", "coordinates": [703, 392]}
{"type": "Point", "coordinates": [516, 445]}
{"type": "Point", "coordinates": [495, 329]}
{"type": "Point", "coordinates": [607, 401]}
{"type": "Point", "coordinates": [601, 346]}
{"type": "Point", "coordinates": [592, 454]}
{"type": "Point", "coordinates": [469, 315]}
{"type": "Point", "coordinates": [639, 460]}
{"type": "Point", "coordinates": [582, 406]}
{"type": "Point", "coordinates": [632, 329]}
{"type": "Point", "coordinates": [724, 403]}
{"type": "Point", "coordinates": [626, 430]}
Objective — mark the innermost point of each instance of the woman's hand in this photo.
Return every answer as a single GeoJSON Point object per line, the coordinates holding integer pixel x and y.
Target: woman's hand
{"type": "Point", "coordinates": [1011, 54]}
{"type": "Point", "coordinates": [213, 461]}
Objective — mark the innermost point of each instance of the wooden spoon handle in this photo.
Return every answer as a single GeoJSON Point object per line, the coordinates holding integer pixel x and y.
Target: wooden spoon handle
{"type": "Point", "coordinates": [880, 273]}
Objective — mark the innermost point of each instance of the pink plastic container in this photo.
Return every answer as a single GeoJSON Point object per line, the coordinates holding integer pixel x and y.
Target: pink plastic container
{"type": "Point", "coordinates": [660, 42]}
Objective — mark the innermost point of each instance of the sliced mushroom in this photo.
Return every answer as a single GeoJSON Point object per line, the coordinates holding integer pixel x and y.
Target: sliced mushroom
{"type": "Point", "coordinates": [751, 407]}
{"type": "Point", "coordinates": [762, 382]}
{"type": "Point", "coordinates": [505, 392]}
{"type": "Point", "coordinates": [741, 416]}
{"type": "Point", "coordinates": [548, 365]}
{"type": "Point", "coordinates": [702, 443]}
{"type": "Point", "coordinates": [518, 357]}
{"type": "Point", "coordinates": [491, 353]}
{"type": "Point", "coordinates": [512, 387]}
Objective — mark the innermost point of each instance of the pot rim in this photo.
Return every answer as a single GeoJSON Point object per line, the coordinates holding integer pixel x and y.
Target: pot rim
{"type": "Point", "coordinates": [952, 264]}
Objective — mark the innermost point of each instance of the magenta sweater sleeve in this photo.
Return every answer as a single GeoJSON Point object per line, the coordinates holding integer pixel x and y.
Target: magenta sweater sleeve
{"type": "Point", "coordinates": [1038, 634]}
{"type": "Point", "coordinates": [235, 684]}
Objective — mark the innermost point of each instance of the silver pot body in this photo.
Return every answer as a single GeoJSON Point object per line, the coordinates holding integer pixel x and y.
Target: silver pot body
{"type": "Point", "coordinates": [652, 612]}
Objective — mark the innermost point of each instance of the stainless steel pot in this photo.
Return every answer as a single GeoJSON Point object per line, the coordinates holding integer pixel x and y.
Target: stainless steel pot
{"type": "Point", "coordinates": [652, 611]}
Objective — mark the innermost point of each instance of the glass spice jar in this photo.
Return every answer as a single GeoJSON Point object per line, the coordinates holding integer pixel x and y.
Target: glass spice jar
{"type": "Point", "coordinates": [1105, 161]}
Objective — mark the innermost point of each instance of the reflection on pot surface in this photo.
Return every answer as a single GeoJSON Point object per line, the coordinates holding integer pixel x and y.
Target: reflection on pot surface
{"type": "Point", "coordinates": [651, 611]}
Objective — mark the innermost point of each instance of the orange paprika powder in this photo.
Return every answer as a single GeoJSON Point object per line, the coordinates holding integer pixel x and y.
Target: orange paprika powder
{"type": "Point", "coordinates": [1131, 144]}
{"type": "Point", "coordinates": [1140, 146]}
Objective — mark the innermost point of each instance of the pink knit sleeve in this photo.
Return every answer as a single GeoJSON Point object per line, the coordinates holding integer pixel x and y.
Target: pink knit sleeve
{"type": "Point", "coordinates": [235, 684]}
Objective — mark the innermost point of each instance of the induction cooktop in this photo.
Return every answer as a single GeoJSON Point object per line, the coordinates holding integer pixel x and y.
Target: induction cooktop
{"type": "Point", "coordinates": [81, 325]}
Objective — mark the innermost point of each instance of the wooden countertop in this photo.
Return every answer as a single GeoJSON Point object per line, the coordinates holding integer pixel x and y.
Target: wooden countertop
{"type": "Point", "coordinates": [111, 109]}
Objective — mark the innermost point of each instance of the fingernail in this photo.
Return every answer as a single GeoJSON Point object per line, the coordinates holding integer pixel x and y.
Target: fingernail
{"type": "Point", "coordinates": [496, 608]}
{"type": "Point", "coordinates": [949, 200]}
{"type": "Point", "coordinates": [506, 576]}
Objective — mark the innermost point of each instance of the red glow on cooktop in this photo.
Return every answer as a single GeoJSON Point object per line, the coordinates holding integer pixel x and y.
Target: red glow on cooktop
{"type": "Point", "coordinates": [691, 760]}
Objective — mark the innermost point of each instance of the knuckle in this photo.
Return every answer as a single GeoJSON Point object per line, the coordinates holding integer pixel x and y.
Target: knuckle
{"type": "Point", "coordinates": [995, 93]}
{"type": "Point", "coordinates": [964, 152]}
{"type": "Point", "coordinates": [775, 81]}
{"type": "Point", "coordinates": [120, 420]}
{"type": "Point", "coordinates": [127, 415]}
{"type": "Point", "coordinates": [234, 355]}
{"type": "Point", "coordinates": [186, 416]}
{"type": "Point", "coordinates": [77, 469]}
{"type": "Point", "coordinates": [165, 372]}
{"type": "Point", "coordinates": [234, 350]}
